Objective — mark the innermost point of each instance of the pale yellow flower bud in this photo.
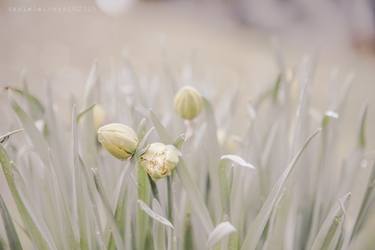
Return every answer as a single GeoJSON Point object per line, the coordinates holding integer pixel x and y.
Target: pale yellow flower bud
{"type": "Point", "coordinates": [98, 114]}
{"type": "Point", "coordinates": [188, 103]}
{"type": "Point", "coordinates": [118, 139]}
{"type": "Point", "coordinates": [159, 159]}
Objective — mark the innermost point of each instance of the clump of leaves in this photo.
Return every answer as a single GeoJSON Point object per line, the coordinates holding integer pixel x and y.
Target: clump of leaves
{"type": "Point", "coordinates": [278, 181]}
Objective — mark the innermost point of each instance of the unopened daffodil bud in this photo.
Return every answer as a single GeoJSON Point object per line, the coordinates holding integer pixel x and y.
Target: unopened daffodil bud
{"type": "Point", "coordinates": [188, 103]}
{"type": "Point", "coordinates": [98, 114]}
{"type": "Point", "coordinates": [118, 139]}
{"type": "Point", "coordinates": [159, 160]}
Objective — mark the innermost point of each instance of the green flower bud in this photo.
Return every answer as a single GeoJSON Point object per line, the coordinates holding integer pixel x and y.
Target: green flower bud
{"type": "Point", "coordinates": [188, 103]}
{"type": "Point", "coordinates": [159, 159]}
{"type": "Point", "coordinates": [118, 139]}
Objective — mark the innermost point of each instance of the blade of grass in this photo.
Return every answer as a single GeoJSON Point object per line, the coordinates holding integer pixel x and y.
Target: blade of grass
{"type": "Point", "coordinates": [332, 223]}
{"type": "Point", "coordinates": [169, 198]}
{"type": "Point", "coordinates": [3, 245]}
{"type": "Point", "coordinates": [35, 136]}
{"type": "Point", "coordinates": [154, 215]}
{"type": "Point", "coordinates": [220, 231]}
{"type": "Point", "coordinates": [108, 211]}
{"type": "Point", "coordinates": [88, 140]}
{"type": "Point", "coordinates": [238, 160]}
{"type": "Point", "coordinates": [33, 229]}
{"type": "Point", "coordinates": [195, 196]}
{"type": "Point", "coordinates": [191, 188]}
{"type": "Point", "coordinates": [165, 137]}
{"type": "Point", "coordinates": [82, 113]}
{"type": "Point", "coordinates": [87, 190]}
{"type": "Point", "coordinates": [35, 105]}
{"type": "Point", "coordinates": [144, 195]}
{"type": "Point", "coordinates": [360, 186]}
{"type": "Point", "coordinates": [256, 229]}
{"type": "Point", "coordinates": [120, 213]}
{"type": "Point", "coordinates": [211, 142]}
{"type": "Point", "coordinates": [14, 241]}
{"type": "Point", "coordinates": [154, 188]}
{"type": "Point", "coordinates": [5, 137]}
{"type": "Point", "coordinates": [362, 130]}
{"type": "Point", "coordinates": [42, 148]}
{"type": "Point", "coordinates": [159, 235]}
{"type": "Point", "coordinates": [188, 239]}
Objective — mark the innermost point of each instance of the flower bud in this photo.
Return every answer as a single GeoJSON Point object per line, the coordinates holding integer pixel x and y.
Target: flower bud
{"type": "Point", "coordinates": [98, 114]}
{"type": "Point", "coordinates": [118, 139]}
{"type": "Point", "coordinates": [188, 103]}
{"type": "Point", "coordinates": [159, 160]}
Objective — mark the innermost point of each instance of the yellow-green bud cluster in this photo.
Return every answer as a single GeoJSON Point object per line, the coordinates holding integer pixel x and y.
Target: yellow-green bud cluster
{"type": "Point", "coordinates": [158, 160]}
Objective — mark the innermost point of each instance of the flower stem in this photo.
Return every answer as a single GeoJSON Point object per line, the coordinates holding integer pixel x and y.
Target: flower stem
{"type": "Point", "coordinates": [170, 199]}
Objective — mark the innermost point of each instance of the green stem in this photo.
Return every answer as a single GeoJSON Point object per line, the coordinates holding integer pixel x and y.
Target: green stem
{"type": "Point", "coordinates": [142, 219]}
{"type": "Point", "coordinates": [170, 210]}
{"type": "Point", "coordinates": [170, 198]}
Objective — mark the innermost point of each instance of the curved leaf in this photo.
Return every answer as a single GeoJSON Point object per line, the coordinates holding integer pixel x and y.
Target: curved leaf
{"type": "Point", "coordinates": [238, 160]}
{"type": "Point", "coordinates": [154, 215]}
{"type": "Point", "coordinates": [220, 231]}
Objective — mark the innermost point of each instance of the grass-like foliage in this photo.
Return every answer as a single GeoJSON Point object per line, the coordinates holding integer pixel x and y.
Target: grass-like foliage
{"type": "Point", "coordinates": [268, 174]}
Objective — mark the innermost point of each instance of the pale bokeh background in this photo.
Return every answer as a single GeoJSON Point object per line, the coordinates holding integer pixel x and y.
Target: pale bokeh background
{"type": "Point", "coordinates": [228, 43]}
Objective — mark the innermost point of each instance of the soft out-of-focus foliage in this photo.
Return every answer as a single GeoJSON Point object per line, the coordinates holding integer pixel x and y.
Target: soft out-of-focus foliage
{"type": "Point", "coordinates": [273, 179]}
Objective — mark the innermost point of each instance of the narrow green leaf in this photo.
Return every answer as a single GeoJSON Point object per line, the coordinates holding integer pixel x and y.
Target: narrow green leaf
{"type": "Point", "coordinates": [165, 137]}
{"type": "Point", "coordinates": [362, 130]}
{"type": "Point", "coordinates": [142, 144]}
{"type": "Point", "coordinates": [14, 242]}
{"type": "Point", "coordinates": [85, 111]}
{"type": "Point", "coordinates": [332, 223]}
{"type": "Point", "coordinates": [5, 137]}
{"type": "Point", "coordinates": [238, 160]}
{"type": "Point", "coordinates": [365, 239]}
{"type": "Point", "coordinates": [220, 231]}
{"type": "Point", "coordinates": [154, 188]}
{"type": "Point", "coordinates": [159, 229]}
{"type": "Point", "coordinates": [188, 234]}
{"type": "Point", "coordinates": [88, 139]}
{"type": "Point", "coordinates": [170, 198]}
{"type": "Point", "coordinates": [154, 215]}
{"type": "Point", "coordinates": [144, 195]}
{"type": "Point", "coordinates": [2, 244]}
{"type": "Point", "coordinates": [36, 107]}
{"type": "Point", "coordinates": [361, 183]}
{"type": "Point", "coordinates": [35, 136]}
{"type": "Point", "coordinates": [276, 87]}
{"type": "Point", "coordinates": [109, 213]}
{"type": "Point", "coordinates": [35, 233]}
{"type": "Point", "coordinates": [79, 215]}
{"type": "Point", "coordinates": [211, 142]}
{"type": "Point", "coordinates": [85, 195]}
{"type": "Point", "coordinates": [256, 229]}
{"type": "Point", "coordinates": [120, 219]}
{"type": "Point", "coordinates": [195, 196]}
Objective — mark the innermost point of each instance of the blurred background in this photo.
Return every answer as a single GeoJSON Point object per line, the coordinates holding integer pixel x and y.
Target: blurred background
{"type": "Point", "coordinates": [223, 43]}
